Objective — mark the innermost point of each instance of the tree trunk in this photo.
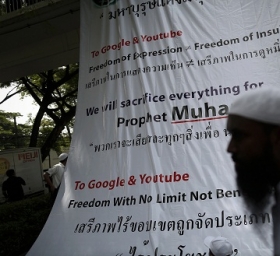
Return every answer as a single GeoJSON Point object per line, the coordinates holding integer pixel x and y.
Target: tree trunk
{"type": "Point", "coordinates": [60, 125]}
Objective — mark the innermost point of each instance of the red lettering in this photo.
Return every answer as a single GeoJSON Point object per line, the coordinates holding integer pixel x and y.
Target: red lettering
{"type": "Point", "coordinates": [111, 184]}
{"type": "Point", "coordinates": [161, 178]}
{"type": "Point", "coordinates": [160, 36]}
{"type": "Point", "coordinates": [27, 155]}
{"type": "Point", "coordinates": [113, 47]}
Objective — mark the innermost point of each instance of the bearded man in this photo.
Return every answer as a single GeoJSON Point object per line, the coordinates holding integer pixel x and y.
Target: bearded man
{"type": "Point", "coordinates": [254, 124]}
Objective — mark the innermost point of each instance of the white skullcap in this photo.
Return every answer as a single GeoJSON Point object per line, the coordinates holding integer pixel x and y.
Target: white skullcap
{"type": "Point", "coordinates": [62, 156]}
{"type": "Point", "coordinates": [261, 105]}
{"type": "Point", "coordinates": [219, 246]}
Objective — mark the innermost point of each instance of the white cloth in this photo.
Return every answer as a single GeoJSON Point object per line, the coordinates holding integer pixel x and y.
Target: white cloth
{"type": "Point", "coordinates": [276, 222]}
{"type": "Point", "coordinates": [56, 173]}
{"type": "Point", "coordinates": [62, 156]}
{"type": "Point", "coordinates": [261, 104]}
{"type": "Point", "coordinates": [219, 246]}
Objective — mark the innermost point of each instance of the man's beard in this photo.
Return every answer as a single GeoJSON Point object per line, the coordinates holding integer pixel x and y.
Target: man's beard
{"type": "Point", "coordinates": [254, 182]}
{"type": "Point", "coordinates": [256, 192]}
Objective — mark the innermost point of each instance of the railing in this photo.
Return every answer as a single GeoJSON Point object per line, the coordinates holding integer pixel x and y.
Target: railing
{"type": "Point", "coordinates": [8, 6]}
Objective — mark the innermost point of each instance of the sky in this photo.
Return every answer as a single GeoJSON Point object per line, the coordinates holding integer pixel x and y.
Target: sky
{"type": "Point", "coordinates": [15, 104]}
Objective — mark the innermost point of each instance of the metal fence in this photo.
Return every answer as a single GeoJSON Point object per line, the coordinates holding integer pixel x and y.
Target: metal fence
{"type": "Point", "coordinates": [8, 6]}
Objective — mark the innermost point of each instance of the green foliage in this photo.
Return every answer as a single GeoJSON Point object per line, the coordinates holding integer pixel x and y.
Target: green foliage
{"type": "Point", "coordinates": [16, 135]}
{"type": "Point", "coordinates": [21, 222]}
{"type": "Point", "coordinates": [13, 135]}
{"type": "Point", "coordinates": [63, 140]}
{"type": "Point", "coordinates": [55, 92]}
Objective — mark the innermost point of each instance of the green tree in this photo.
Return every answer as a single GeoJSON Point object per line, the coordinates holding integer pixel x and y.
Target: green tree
{"type": "Point", "coordinates": [55, 91]}
{"type": "Point", "coordinates": [62, 141]}
{"type": "Point", "coordinates": [13, 135]}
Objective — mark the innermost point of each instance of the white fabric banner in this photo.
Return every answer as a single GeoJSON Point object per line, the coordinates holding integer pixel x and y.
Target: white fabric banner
{"type": "Point", "coordinates": [148, 172]}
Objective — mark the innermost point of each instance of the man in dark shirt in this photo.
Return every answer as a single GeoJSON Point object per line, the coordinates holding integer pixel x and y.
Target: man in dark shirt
{"type": "Point", "coordinates": [12, 187]}
{"type": "Point", "coordinates": [254, 124]}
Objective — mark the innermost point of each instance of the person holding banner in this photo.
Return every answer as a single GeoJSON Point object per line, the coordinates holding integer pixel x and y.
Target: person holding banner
{"type": "Point", "coordinates": [254, 123]}
{"type": "Point", "coordinates": [53, 176]}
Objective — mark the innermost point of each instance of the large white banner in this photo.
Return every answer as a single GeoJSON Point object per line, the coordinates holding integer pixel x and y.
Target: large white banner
{"type": "Point", "coordinates": [148, 172]}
